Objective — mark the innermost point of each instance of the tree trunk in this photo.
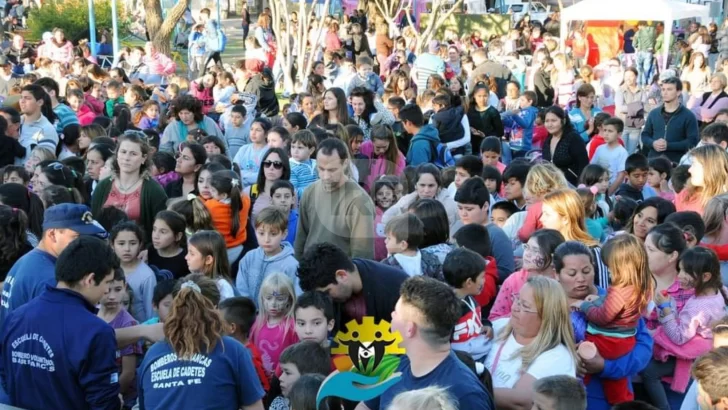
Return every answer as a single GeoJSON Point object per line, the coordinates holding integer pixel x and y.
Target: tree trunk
{"type": "Point", "coordinates": [437, 19]}
{"type": "Point", "coordinates": [160, 30]}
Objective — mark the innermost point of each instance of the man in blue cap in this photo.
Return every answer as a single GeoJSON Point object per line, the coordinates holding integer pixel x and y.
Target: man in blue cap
{"type": "Point", "coordinates": [55, 353]}
{"type": "Point", "coordinates": [29, 276]}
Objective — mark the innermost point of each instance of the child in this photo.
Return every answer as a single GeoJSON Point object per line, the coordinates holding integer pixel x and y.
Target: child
{"type": "Point", "coordinates": [692, 225]}
{"type": "Point", "coordinates": [595, 227]}
{"type": "Point", "coordinates": [540, 133]}
{"type": "Point", "coordinates": [302, 395]}
{"type": "Point", "coordinates": [713, 134]}
{"type": "Point", "coordinates": [75, 100]}
{"type": "Point", "coordinates": [168, 249]}
{"type": "Point", "coordinates": [114, 96]}
{"type": "Point", "coordinates": [162, 301]}
{"type": "Point", "coordinates": [611, 155]}
{"type": "Point", "coordinates": [658, 177]}
{"type": "Point", "coordinates": [213, 146]}
{"type": "Point", "coordinates": [501, 211]}
{"type": "Point", "coordinates": [148, 116]}
{"type": "Point", "coordinates": [250, 155]}
{"type": "Point", "coordinates": [404, 235]}
{"type": "Point", "coordinates": [15, 174]}
{"type": "Point", "coordinates": [464, 270]}
{"type": "Point", "coordinates": [447, 121]}
{"type": "Point", "coordinates": [127, 240]}
{"type": "Point", "coordinates": [272, 254]}
{"type": "Point", "coordinates": [494, 182]}
{"type": "Point", "coordinates": [205, 255]}
{"type": "Point", "coordinates": [10, 148]}
{"type": "Point", "coordinates": [278, 137]}
{"type": "Point", "coordinates": [618, 313]}
{"type": "Point", "coordinates": [229, 209]}
{"type": "Point", "coordinates": [521, 122]}
{"type": "Point", "coordinates": [636, 187]}
{"type": "Point", "coordinates": [685, 335]}
{"type": "Point", "coordinates": [680, 177]}
{"type": "Point", "coordinates": [466, 167]}
{"type": "Point", "coordinates": [598, 176]}
{"type": "Point", "coordinates": [111, 311]}
{"type": "Point", "coordinates": [394, 104]}
{"type": "Point", "coordinates": [314, 314]}
{"type": "Point", "coordinates": [514, 178]}
{"type": "Point", "coordinates": [541, 179]}
{"type": "Point", "coordinates": [274, 327]}
{"type": "Point", "coordinates": [383, 195]}
{"type": "Point", "coordinates": [598, 139]}
{"type": "Point", "coordinates": [298, 360]}
{"type": "Point", "coordinates": [236, 133]}
{"type": "Point", "coordinates": [623, 209]}
{"type": "Point", "coordinates": [281, 193]}
{"type": "Point", "coordinates": [303, 168]}
{"type": "Point", "coordinates": [366, 77]}
{"type": "Point", "coordinates": [490, 152]}
{"type": "Point", "coordinates": [239, 315]}
{"type": "Point", "coordinates": [559, 392]}
{"type": "Point", "coordinates": [163, 165]}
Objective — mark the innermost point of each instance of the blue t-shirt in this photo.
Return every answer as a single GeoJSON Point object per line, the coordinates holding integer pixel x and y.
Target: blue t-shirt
{"type": "Point", "coordinates": [26, 280]}
{"type": "Point", "coordinates": [451, 374]}
{"type": "Point", "coordinates": [165, 382]}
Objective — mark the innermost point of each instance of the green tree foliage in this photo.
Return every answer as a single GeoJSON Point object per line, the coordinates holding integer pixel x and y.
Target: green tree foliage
{"type": "Point", "coordinates": [72, 17]}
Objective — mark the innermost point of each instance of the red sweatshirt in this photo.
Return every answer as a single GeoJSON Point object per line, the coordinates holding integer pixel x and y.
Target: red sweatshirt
{"type": "Point", "coordinates": [490, 287]}
{"type": "Point", "coordinates": [258, 363]}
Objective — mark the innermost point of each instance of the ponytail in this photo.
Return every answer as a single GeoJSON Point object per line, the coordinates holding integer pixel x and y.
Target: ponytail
{"type": "Point", "coordinates": [227, 182]}
{"type": "Point", "coordinates": [194, 212]}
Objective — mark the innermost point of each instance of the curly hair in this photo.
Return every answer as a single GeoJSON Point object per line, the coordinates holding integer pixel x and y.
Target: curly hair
{"type": "Point", "coordinates": [189, 103]}
{"type": "Point", "coordinates": [317, 269]}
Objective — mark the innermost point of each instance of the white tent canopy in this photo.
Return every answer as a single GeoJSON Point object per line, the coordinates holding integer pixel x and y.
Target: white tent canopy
{"type": "Point", "coordinates": [666, 11]}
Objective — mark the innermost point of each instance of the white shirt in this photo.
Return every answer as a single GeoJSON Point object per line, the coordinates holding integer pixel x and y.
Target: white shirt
{"type": "Point", "coordinates": [411, 265]}
{"type": "Point", "coordinates": [507, 371]}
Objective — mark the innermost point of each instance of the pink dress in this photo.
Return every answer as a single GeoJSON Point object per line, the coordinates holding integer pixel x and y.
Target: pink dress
{"type": "Point", "coordinates": [272, 340]}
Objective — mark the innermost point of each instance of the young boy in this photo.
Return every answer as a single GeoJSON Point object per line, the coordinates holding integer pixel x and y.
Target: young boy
{"type": "Point", "coordinates": [490, 153]}
{"type": "Point", "coordinates": [303, 168]}
{"type": "Point", "coordinates": [283, 196]}
{"type": "Point", "coordinates": [162, 301]}
{"type": "Point", "coordinates": [236, 133]}
{"type": "Point", "coordinates": [611, 155]}
{"type": "Point", "coordinates": [715, 133]}
{"type": "Point", "coordinates": [394, 104]}
{"type": "Point", "coordinates": [521, 123]}
{"type": "Point", "coordinates": [659, 175]}
{"type": "Point", "coordinates": [466, 167]}
{"type": "Point", "coordinates": [494, 182]}
{"type": "Point", "coordinates": [314, 314]}
{"type": "Point", "coordinates": [297, 360]}
{"type": "Point", "coordinates": [404, 235]}
{"type": "Point", "coordinates": [680, 177]}
{"type": "Point", "coordinates": [501, 211]}
{"type": "Point", "coordinates": [114, 95]}
{"type": "Point", "coordinates": [722, 116]}
{"type": "Point", "coordinates": [447, 119]}
{"type": "Point", "coordinates": [598, 139]}
{"type": "Point", "coordinates": [239, 315]}
{"type": "Point", "coordinates": [365, 77]}
{"type": "Point", "coordinates": [514, 178]}
{"type": "Point", "coordinates": [559, 393]}
{"type": "Point", "coordinates": [272, 254]}
{"type": "Point", "coordinates": [464, 270]}
{"type": "Point", "coordinates": [636, 186]}
{"type": "Point", "coordinates": [426, 138]}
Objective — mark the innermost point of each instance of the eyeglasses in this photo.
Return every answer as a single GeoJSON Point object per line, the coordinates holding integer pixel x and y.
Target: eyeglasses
{"type": "Point", "coordinates": [518, 305]}
{"type": "Point", "coordinates": [274, 164]}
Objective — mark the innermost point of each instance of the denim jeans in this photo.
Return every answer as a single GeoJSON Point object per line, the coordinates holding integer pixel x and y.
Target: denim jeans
{"type": "Point", "coordinates": [506, 156]}
{"type": "Point", "coordinates": [631, 139]}
{"type": "Point", "coordinates": [644, 67]}
{"type": "Point", "coordinates": [652, 381]}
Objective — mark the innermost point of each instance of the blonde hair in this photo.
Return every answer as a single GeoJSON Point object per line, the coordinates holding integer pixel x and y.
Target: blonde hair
{"type": "Point", "coordinates": [43, 154]}
{"type": "Point", "coordinates": [556, 328]}
{"type": "Point", "coordinates": [544, 178]}
{"type": "Point", "coordinates": [429, 398]}
{"type": "Point", "coordinates": [626, 258]}
{"type": "Point", "coordinates": [714, 160]}
{"type": "Point", "coordinates": [722, 78]}
{"type": "Point", "coordinates": [569, 205]}
{"type": "Point", "coordinates": [275, 283]}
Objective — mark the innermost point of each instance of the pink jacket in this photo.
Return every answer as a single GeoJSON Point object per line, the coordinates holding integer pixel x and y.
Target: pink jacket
{"type": "Point", "coordinates": [63, 54]}
{"type": "Point", "coordinates": [160, 64]}
{"type": "Point", "coordinates": [85, 115]}
{"type": "Point", "coordinates": [685, 355]}
{"type": "Point", "coordinates": [378, 166]}
{"type": "Point", "coordinates": [95, 104]}
{"type": "Point", "coordinates": [504, 300]}
{"type": "Point", "coordinates": [205, 96]}
{"type": "Point", "coordinates": [532, 222]}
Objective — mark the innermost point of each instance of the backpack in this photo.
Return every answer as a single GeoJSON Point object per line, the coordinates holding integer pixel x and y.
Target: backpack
{"type": "Point", "coordinates": [440, 156]}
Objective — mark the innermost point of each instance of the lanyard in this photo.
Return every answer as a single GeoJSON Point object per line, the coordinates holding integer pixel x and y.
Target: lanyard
{"type": "Point", "coordinates": [497, 356]}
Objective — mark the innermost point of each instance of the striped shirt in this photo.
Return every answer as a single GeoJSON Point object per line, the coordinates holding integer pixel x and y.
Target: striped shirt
{"type": "Point", "coordinates": [679, 295]}
{"type": "Point", "coordinates": [303, 174]}
{"type": "Point", "coordinates": [426, 65]}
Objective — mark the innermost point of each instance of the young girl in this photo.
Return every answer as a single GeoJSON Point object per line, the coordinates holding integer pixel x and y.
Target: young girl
{"type": "Point", "coordinates": [598, 176]}
{"type": "Point", "coordinates": [112, 312]}
{"type": "Point", "coordinates": [384, 197]}
{"type": "Point", "coordinates": [541, 179]}
{"type": "Point", "coordinates": [685, 335]}
{"type": "Point", "coordinates": [163, 165]}
{"type": "Point", "coordinates": [127, 239]}
{"type": "Point", "coordinates": [618, 313]}
{"type": "Point", "coordinates": [595, 227]}
{"type": "Point", "coordinates": [658, 177]}
{"type": "Point", "coordinates": [223, 91]}
{"type": "Point", "coordinates": [169, 241]}
{"type": "Point", "coordinates": [148, 116]}
{"type": "Point", "coordinates": [274, 328]}
{"type": "Point", "coordinates": [229, 210]}
{"type": "Point", "coordinates": [250, 155]}
{"type": "Point", "coordinates": [206, 255]}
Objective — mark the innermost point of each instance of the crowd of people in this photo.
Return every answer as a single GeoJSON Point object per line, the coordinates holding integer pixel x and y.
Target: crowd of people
{"type": "Point", "coordinates": [543, 228]}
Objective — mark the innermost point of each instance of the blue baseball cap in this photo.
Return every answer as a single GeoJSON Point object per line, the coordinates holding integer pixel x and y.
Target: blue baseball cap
{"type": "Point", "coordinates": [75, 217]}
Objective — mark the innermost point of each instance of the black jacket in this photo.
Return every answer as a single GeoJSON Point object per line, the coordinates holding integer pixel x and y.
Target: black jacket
{"type": "Point", "coordinates": [448, 124]}
{"type": "Point", "coordinates": [543, 88]}
{"type": "Point", "coordinates": [488, 122]}
{"type": "Point", "coordinates": [10, 149]}
{"type": "Point", "coordinates": [262, 85]}
{"type": "Point", "coordinates": [570, 156]}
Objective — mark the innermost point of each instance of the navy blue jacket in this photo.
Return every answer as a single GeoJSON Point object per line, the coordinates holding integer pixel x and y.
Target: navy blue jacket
{"type": "Point", "coordinates": [27, 280]}
{"type": "Point", "coordinates": [681, 133]}
{"type": "Point", "coordinates": [55, 353]}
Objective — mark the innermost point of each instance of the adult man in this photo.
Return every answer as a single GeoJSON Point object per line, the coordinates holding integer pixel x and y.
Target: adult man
{"type": "Point", "coordinates": [670, 130]}
{"type": "Point", "coordinates": [492, 69]}
{"type": "Point", "coordinates": [7, 77]}
{"type": "Point", "coordinates": [427, 64]}
{"type": "Point", "coordinates": [709, 371]}
{"type": "Point", "coordinates": [358, 287]}
{"type": "Point", "coordinates": [335, 208]}
{"type": "Point", "coordinates": [12, 116]}
{"type": "Point", "coordinates": [35, 126]}
{"type": "Point", "coordinates": [644, 45]}
{"type": "Point", "coordinates": [56, 353]}
{"type": "Point", "coordinates": [30, 275]}
{"type": "Point", "coordinates": [425, 315]}
{"type": "Point", "coordinates": [473, 201]}
{"type": "Point", "coordinates": [64, 113]}
{"type": "Point", "coordinates": [20, 55]}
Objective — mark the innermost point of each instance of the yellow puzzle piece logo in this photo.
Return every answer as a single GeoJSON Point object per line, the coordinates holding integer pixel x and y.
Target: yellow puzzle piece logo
{"type": "Point", "coordinates": [367, 343]}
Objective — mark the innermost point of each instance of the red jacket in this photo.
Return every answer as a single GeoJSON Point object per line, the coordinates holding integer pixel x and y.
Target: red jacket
{"type": "Point", "coordinates": [258, 363]}
{"type": "Point", "coordinates": [490, 286]}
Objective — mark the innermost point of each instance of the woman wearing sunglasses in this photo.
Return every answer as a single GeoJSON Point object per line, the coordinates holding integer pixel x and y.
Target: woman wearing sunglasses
{"type": "Point", "coordinates": [274, 167]}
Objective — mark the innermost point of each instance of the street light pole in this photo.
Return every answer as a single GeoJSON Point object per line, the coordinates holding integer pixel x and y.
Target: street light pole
{"type": "Point", "coordinates": [115, 29]}
{"type": "Point", "coordinates": [92, 27]}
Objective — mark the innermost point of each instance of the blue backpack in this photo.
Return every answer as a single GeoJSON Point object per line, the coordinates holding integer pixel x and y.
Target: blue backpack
{"type": "Point", "coordinates": [440, 155]}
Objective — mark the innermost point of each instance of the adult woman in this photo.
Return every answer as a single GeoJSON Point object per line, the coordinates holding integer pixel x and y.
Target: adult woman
{"type": "Point", "coordinates": [708, 178]}
{"type": "Point", "coordinates": [19, 197]}
{"type": "Point", "coordinates": [582, 116]}
{"type": "Point", "coordinates": [437, 229]}
{"type": "Point", "coordinates": [88, 134]}
{"type": "Point", "coordinates": [358, 45]}
{"type": "Point", "coordinates": [13, 238]}
{"type": "Point", "coordinates": [335, 109]}
{"type": "Point", "coordinates": [483, 117]}
{"type": "Point", "coordinates": [383, 155]}
{"type": "Point", "coordinates": [697, 73]}
{"type": "Point", "coordinates": [187, 111]}
{"type": "Point", "coordinates": [713, 101]}
{"type": "Point", "coordinates": [648, 214]}
{"type": "Point", "coordinates": [630, 102]}
{"type": "Point", "coordinates": [131, 188]}
{"type": "Point", "coordinates": [664, 244]}
{"type": "Point", "coordinates": [58, 49]}
{"type": "Point", "coordinates": [273, 167]}
{"type": "Point", "coordinates": [563, 210]}
{"type": "Point", "coordinates": [575, 272]}
{"type": "Point", "coordinates": [368, 111]}
{"type": "Point", "coordinates": [428, 185]}
{"type": "Point", "coordinates": [383, 43]}
{"type": "Point", "coordinates": [195, 336]}
{"type": "Point", "coordinates": [537, 341]}
{"type": "Point", "coordinates": [308, 105]}
{"type": "Point", "coordinates": [96, 157]}
{"type": "Point", "coordinates": [266, 39]}
{"type": "Point", "coordinates": [59, 174]}
{"type": "Point", "coordinates": [563, 146]}
{"type": "Point", "coordinates": [189, 161]}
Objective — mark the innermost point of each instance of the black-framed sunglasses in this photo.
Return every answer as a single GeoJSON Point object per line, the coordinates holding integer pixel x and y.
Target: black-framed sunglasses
{"type": "Point", "coordinates": [274, 164]}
